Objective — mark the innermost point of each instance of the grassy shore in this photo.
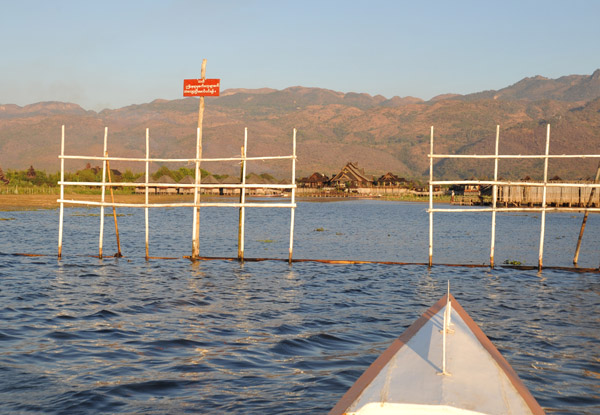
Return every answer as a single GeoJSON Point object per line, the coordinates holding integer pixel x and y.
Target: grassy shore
{"type": "Point", "coordinates": [48, 201]}
{"type": "Point", "coordinates": [41, 201]}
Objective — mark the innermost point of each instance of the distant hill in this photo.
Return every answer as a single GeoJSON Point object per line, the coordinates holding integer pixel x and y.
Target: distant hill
{"type": "Point", "coordinates": [333, 128]}
{"type": "Point", "coordinates": [570, 88]}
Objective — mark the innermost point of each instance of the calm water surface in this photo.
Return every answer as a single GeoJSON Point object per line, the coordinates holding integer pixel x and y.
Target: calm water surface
{"type": "Point", "coordinates": [84, 335]}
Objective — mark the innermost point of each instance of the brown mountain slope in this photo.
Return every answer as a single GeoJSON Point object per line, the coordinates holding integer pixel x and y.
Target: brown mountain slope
{"type": "Point", "coordinates": [567, 88]}
{"type": "Point", "coordinates": [574, 131]}
{"type": "Point", "coordinates": [333, 128]}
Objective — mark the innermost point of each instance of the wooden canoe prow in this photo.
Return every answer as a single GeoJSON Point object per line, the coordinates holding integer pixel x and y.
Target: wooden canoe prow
{"type": "Point", "coordinates": [364, 388]}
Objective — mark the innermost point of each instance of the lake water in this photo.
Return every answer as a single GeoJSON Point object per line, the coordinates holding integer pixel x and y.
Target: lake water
{"type": "Point", "coordinates": [84, 335]}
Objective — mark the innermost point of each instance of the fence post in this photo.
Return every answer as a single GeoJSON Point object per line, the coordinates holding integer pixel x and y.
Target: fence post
{"type": "Point", "coordinates": [494, 199]}
{"type": "Point", "coordinates": [543, 225]}
{"type": "Point", "coordinates": [147, 190]}
{"type": "Point", "coordinates": [242, 220]}
{"type": "Point", "coordinates": [196, 224]}
{"type": "Point", "coordinates": [585, 216]}
{"type": "Point", "coordinates": [431, 199]}
{"type": "Point", "coordinates": [103, 194]}
{"type": "Point", "coordinates": [293, 199]}
{"type": "Point", "coordinates": [62, 190]}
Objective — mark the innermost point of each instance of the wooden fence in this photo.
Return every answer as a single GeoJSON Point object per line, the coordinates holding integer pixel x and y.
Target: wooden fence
{"type": "Point", "coordinates": [196, 186]}
{"type": "Point", "coordinates": [541, 188]}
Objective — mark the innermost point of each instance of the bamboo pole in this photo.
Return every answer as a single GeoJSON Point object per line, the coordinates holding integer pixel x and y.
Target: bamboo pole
{"type": "Point", "coordinates": [510, 183]}
{"type": "Point", "coordinates": [431, 199]}
{"type": "Point", "coordinates": [242, 211]}
{"type": "Point", "coordinates": [585, 216]}
{"type": "Point", "coordinates": [191, 186]}
{"type": "Point", "coordinates": [112, 198]}
{"type": "Point", "coordinates": [184, 204]}
{"type": "Point", "coordinates": [543, 221]}
{"type": "Point", "coordinates": [240, 242]}
{"type": "Point", "coordinates": [196, 219]}
{"type": "Point", "coordinates": [146, 192]}
{"type": "Point", "coordinates": [100, 241]}
{"type": "Point", "coordinates": [293, 198]}
{"type": "Point", "coordinates": [494, 199]}
{"type": "Point", "coordinates": [219, 159]}
{"type": "Point", "coordinates": [515, 156]}
{"type": "Point", "coordinates": [62, 191]}
{"type": "Point", "coordinates": [196, 224]}
{"type": "Point", "coordinates": [516, 209]}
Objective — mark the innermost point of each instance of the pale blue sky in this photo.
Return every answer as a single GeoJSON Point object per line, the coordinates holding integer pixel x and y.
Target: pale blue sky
{"type": "Point", "coordinates": [109, 54]}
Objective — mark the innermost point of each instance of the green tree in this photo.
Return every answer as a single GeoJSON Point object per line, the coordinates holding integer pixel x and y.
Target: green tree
{"type": "Point", "coordinates": [162, 171]}
{"type": "Point", "coordinates": [87, 175]}
{"type": "Point", "coordinates": [31, 173]}
{"type": "Point", "coordinates": [128, 176]}
{"type": "Point", "coordinates": [3, 178]}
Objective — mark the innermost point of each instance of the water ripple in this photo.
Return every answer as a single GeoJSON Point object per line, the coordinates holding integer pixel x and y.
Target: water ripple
{"type": "Point", "coordinates": [84, 335]}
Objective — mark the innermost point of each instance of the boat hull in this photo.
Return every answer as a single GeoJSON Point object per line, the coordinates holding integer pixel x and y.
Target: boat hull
{"type": "Point", "coordinates": [419, 372]}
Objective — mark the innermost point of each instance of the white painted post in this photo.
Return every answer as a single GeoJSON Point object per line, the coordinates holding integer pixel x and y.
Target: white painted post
{"type": "Point", "coordinates": [431, 199]}
{"type": "Point", "coordinates": [147, 190]}
{"type": "Point", "coordinates": [103, 194]}
{"type": "Point", "coordinates": [242, 225]}
{"type": "Point", "coordinates": [196, 220]}
{"type": "Point", "coordinates": [494, 200]}
{"type": "Point", "coordinates": [196, 224]}
{"type": "Point", "coordinates": [543, 226]}
{"type": "Point", "coordinates": [293, 198]}
{"type": "Point", "coordinates": [62, 191]}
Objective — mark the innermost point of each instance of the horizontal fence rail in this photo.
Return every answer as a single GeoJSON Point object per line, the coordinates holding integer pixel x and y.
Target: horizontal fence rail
{"type": "Point", "coordinates": [196, 186]}
{"type": "Point", "coordinates": [496, 183]}
{"type": "Point", "coordinates": [182, 204]}
{"type": "Point", "coordinates": [514, 156]}
{"type": "Point", "coordinates": [174, 160]}
{"type": "Point", "coordinates": [184, 185]}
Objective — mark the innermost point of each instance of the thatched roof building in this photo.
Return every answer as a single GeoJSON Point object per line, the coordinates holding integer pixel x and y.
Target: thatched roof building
{"type": "Point", "coordinates": [315, 180]}
{"type": "Point", "coordinates": [351, 176]}
{"type": "Point", "coordinates": [167, 185]}
{"type": "Point", "coordinates": [254, 178]}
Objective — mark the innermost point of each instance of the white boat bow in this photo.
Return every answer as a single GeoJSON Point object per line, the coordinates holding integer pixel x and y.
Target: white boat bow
{"type": "Point", "coordinates": [432, 370]}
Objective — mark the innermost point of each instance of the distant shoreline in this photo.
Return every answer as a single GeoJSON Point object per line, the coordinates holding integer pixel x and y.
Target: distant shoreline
{"type": "Point", "coordinates": [46, 201]}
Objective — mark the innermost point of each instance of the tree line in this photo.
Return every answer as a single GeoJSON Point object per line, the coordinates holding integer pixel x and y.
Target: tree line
{"type": "Point", "coordinates": [33, 177]}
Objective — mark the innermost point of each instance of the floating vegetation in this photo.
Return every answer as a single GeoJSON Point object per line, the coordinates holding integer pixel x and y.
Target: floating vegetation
{"type": "Point", "coordinates": [320, 230]}
{"type": "Point", "coordinates": [339, 233]}
{"type": "Point", "coordinates": [512, 262]}
{"type": "Point", "coordinates": [7, 218]}
{"type": "Point", "coordinates": [266, 241]}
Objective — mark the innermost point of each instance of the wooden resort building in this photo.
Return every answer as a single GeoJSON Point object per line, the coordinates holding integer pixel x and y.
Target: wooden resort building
{"type": "Point", "coordinates": [186, 190]}
{"type": "Point", "coordinates": [227, 191]}
{"type": "Point", "coordinates": [391, 180]}
{"type": "Point", "coordinates": [210, 179]}
{"type": "Point", "coordinates": [314, 181]}
{"type": "Point", "coordinates": [351, 176]}
{"type": "Point", "coordinates": [568, 196]}
{"type": "Point", "coordinates": [352, 179]}
{"type": "Point", "coordinates": [167, 186]}
{"type": "Point", "coordinates": [141, 188]}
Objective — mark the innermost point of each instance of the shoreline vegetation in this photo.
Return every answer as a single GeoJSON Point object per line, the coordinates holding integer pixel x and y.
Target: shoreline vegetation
{"type": "Point", "coordinates": [19, 202]}
{"type": "Point", "coordinates": [33, 189]}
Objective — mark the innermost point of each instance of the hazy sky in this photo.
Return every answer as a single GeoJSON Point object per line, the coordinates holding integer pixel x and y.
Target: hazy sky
{"type": "Point", "coordinates": [109, 54]}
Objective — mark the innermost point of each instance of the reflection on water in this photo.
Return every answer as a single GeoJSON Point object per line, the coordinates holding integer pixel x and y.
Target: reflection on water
{"type": "Point", "coordinates": [124, 335]}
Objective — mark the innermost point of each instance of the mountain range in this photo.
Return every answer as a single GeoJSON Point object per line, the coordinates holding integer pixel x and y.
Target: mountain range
{"type": "Point", "coordinates": [378, 133]}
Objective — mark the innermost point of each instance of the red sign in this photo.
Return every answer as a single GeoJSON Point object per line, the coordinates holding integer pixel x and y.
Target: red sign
{"type": "Point", "coordinates": [201, 87]}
